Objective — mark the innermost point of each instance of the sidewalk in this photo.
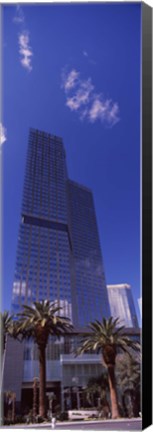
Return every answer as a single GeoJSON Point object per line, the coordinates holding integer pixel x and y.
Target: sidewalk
{"type": "Point", "coordinates": [68, 423]}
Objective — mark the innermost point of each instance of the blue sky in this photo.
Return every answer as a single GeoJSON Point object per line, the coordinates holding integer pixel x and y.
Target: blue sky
{"type": "Point", "coordinates": [74, 71]}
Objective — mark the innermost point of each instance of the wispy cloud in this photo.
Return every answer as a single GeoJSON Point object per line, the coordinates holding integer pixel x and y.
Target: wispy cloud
{"type": "Point", "coordinates": [19, 16]}
{"type": "Point", "coordinates": [104, 110]}
{"type": "Point", "coordinates": [3, 134]}
{"type": "Point", "coordinates": [85, 53]}
{"type": "Point", "coordinates": [81, 97]}
{"type": "Point", "coordinates": [25, 51]}
{"type": "Point", "coordinates": [90, 60]}
{"type": "Point", "coordinates": [70, 80]}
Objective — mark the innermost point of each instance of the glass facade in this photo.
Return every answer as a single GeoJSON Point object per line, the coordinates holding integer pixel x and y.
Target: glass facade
{"type": "Point", "coordinates": [122, 304]}
{"type": "Point", "coordinates": [92, 298]}
{"type": "Point", "coordinates": [58, 252]}
{"type": "Point", "coordinates": [61, 362]}
{"type": "Point", "coordinates": [43, 265]}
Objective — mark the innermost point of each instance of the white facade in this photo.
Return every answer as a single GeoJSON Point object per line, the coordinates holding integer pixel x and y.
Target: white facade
{"type": "Point", "coordinates": [122, 305]}
{"type": "Point", "coordinates": [140, 306]}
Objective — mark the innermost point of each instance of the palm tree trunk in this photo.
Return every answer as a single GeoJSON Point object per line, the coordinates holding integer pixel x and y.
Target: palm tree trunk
{"type": "Point", "coordinates": [35, 398]}
{"type": "Point", "coordinates": [42, 383]}
{"type": "Point", "coordinates": [113, 393]}
{"type": "Point", "coordinates": [131, 403]}
{"type": "Point", "coordinates": [3, 361]}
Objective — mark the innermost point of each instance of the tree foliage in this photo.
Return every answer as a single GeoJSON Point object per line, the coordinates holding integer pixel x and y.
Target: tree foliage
{"type": "Point", "coordinates": [128, 376]}
{"type": "Point", "coordinates": [108, 339]}
{"type": "Point", "coordinates": [39, 321]}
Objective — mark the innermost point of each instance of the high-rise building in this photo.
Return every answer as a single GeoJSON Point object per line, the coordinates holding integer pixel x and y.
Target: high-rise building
{"type": "Point", "coordinates": [43, 264]}
{"type": "Point", "coordinates": [58, 258]}
{"type": "Point", "coordinates": [90, 284]}
{"type": "Point", "coordinates": [58, 252]}
{"type": "Point", "coordinates": [122, 304]}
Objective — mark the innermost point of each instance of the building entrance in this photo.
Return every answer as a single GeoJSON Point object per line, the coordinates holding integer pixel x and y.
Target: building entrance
{"type": "Point", "coordinates": [27, 398]}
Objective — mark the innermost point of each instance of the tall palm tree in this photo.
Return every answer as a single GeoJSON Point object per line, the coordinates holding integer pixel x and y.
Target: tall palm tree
{"type": "Point", "coordinates": [38, 321]}
{"type": "Point", "coordinates": [9, 403]}
{"type": "Point", "coordinates": [107, 338]}
{"type": "Point", "coordinates": [7, 327]}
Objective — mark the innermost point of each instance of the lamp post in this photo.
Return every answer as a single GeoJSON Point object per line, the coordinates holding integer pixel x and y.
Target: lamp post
{"type": "Point", "coordinates": [75, 380]}
{"type": "Point", "coordinates": [50, 397]}
{"type": "Point", "coordinates": [67, 398]}
{"type": "Point", "coordinates": [84, 396]}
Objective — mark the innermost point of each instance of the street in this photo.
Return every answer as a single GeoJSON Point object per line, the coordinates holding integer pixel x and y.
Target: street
{"type": "Point", "coordinates": [105, 425]}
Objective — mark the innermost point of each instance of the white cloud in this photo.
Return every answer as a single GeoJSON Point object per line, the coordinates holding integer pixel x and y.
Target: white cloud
{"type": "Point", "coordinates": [82, 98]}
{"type": "Point", "coordinates": [3, 133]}
{"type": "Point", "coordinates": [19, 17]}
{"type": "Point", "coordinates": [25, 51]}
{"type": "Point", "coordinates": [24, 48]}
{"type": "Point", "coordinates": [70, 81]}
{"type": "Point", "coordinates": [82, 95]}
{"type": "Point", "coordinates": [104, 110]}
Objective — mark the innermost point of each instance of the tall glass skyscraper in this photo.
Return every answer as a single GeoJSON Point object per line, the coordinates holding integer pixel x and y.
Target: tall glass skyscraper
{"type": "Point", "coordinates": [58, 252]}
{"type": "Point", "coordinates": [90, 285]}
{"type": "Point", "coordinates": [58, 258]}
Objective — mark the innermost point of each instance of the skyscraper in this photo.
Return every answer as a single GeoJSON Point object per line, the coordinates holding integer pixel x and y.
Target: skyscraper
{"type": "Point", "coordinates": [90, 284]}
{"type": "Point", "coordinates": [58, 258]}
{"type": "Point", "coordinates": [43, 264]}
{"type": "Point", "coordinates": [58, 252]}
{"type": "Point", "coordinates": [122, 304]}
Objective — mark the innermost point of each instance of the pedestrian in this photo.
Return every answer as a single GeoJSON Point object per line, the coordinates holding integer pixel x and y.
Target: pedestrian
{"type": "Point", "coordinates": [53, 422]}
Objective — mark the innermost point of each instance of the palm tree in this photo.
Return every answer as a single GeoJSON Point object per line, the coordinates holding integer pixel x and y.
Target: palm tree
{"type": "Point", "coordinates": [6, 325]}
{"type": "Point", "coordinates": [9, 398]}
{"type": "Point", "coordinates": [107, 338]}
{"type": "Point", "coordinates": [38, 322]}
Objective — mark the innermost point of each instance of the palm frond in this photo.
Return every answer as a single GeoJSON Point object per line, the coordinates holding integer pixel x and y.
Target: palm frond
{"type": "Point", "coordinates": [106, 336]}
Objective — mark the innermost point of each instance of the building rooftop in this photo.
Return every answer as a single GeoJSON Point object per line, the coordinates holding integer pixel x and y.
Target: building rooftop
{"type": "Point", "coordinates": [80, 185]}
{"type": "Point", "coordinates": [47, 134]}
{"type": "Point", "coordinates": [122, 286]}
